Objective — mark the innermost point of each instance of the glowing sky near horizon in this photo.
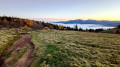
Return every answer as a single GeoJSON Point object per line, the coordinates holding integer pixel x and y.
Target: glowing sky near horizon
{"type": "Point", "coordinates": [58, 10]}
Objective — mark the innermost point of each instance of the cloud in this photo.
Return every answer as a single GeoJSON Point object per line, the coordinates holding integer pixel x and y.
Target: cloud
{"type": "Point", "coordinates": [48, 19]}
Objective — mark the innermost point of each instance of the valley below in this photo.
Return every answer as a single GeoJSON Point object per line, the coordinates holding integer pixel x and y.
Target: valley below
{"type": "Point", "coordinates": [87, 26]}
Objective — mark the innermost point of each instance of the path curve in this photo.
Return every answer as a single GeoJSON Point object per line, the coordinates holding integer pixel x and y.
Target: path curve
{"type": "Point", "coordinates": [26, 59]}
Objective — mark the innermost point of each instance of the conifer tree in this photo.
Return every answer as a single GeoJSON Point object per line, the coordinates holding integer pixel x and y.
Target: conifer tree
{"type": "Point", "coordinates": [76, 27]}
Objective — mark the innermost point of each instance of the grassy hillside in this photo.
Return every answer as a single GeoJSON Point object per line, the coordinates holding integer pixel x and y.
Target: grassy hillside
{"type": "Point", "coordinates": [75, 49]}
{"type": "Point", "coordinates": [7, 38]}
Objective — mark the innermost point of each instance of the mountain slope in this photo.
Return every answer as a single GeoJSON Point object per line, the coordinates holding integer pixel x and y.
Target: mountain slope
{"type": "Point", "coordinates": [79, 21]}
{"type": "Point", "coordinates": [13, 22]}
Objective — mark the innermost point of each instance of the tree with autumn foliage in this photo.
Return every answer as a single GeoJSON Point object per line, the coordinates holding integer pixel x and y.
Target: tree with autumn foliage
{"type": "Point", "coordinates": [51, 27]}
{"type": "Point", "coordinates": [14, 20]}
{"type": "Point", "coordinates": [21, 22]}
{"type": "Point", "coordinates": [60, 27]}
{"type": "Point", "coordinates": [5, 22]}
{"type": "Point", "coordinates": [46, 28]}
{"type": "Point", "coordinates": [65, 28]}
{"type": "Point", "coordinates": [28, 22]}
{"type": "Point", "coordinates": [116, 31]}
{"type": "Point", "coordinates": [25, 27]}
{"type": "Point", "coordinates": [37, 26]}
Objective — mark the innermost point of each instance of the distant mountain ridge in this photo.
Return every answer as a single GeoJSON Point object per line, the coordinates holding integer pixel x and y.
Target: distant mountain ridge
{"type": "Point", "coordinates": [79, 21]}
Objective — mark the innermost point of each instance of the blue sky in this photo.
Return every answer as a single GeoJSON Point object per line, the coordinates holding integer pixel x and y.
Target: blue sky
{"type": "Point", "coordinates": [58, 10]}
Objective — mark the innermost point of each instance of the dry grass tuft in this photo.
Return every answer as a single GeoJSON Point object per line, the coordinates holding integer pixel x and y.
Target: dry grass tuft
{"type": "Point", "coordinates": [7, 38]}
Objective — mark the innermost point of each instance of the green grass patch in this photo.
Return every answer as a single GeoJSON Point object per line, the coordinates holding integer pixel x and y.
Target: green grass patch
{"type": "Point", "coordinates": [51, 49]}
{"type": "Point", "coordinates": [52, 57]}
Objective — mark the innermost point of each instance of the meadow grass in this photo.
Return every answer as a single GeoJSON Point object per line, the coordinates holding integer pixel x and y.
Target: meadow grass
{"type": "Point", "coordinates": [7, 39]}
{"type": "Point", "coordinates": [75, 49]}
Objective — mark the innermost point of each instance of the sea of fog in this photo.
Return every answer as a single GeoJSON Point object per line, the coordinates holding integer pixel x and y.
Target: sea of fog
{"type": "Point", "coordinates": [86, 26]}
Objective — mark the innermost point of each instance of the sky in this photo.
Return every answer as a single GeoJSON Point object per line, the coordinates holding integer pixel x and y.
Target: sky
{"type": "Point", "coordinates": [61, 10]}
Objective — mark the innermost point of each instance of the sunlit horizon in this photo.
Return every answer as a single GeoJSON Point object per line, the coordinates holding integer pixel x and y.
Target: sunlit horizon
{"type": "Point", "coordinates": [58, 19]}
{"type": "Point", "coordinates": [66, 19]}
{"type": "Point", "coordinates": [62, 10]}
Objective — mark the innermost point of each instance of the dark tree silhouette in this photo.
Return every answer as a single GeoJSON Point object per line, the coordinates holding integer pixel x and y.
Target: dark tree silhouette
{"type": "Point", "coordinates": [91, 30]}
{"type": "Point", "coordinates": [76, 28]}
{"type": "Point", "coordinates": [118, 26]}
{"type": "Point", "coordinates": [80, 29]}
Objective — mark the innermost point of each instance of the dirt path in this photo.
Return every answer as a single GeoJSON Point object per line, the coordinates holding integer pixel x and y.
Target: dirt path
{"type": "Point", "coordinates": [26, 59]}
